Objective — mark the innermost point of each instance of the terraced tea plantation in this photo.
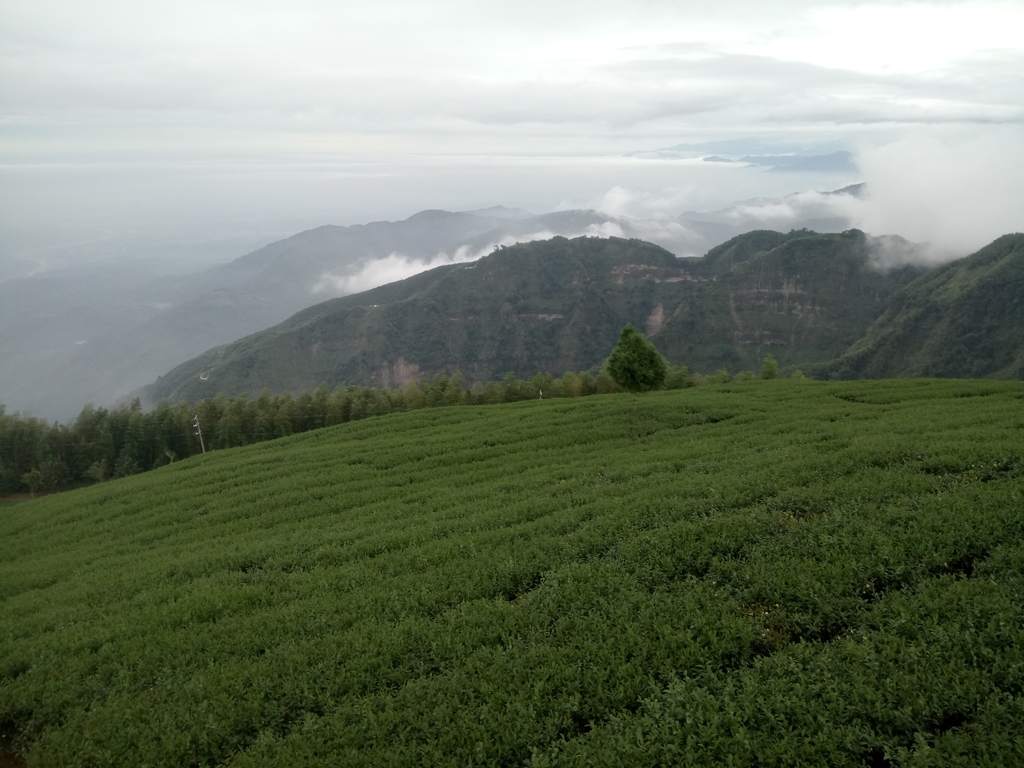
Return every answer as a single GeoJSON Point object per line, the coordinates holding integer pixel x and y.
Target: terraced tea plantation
{"type": "Point", "coordinates": [762, 573]}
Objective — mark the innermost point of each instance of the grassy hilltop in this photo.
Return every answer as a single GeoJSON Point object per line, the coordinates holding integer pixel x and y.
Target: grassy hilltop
{"type": "Point", "coordinates": [769, 573]}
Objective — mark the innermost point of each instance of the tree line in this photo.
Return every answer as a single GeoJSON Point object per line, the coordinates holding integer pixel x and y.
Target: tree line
{"type": "Point", "coordinates": [106, 443]}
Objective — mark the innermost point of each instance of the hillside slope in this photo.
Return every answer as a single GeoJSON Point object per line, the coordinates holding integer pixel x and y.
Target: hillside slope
{"type": "Point", "coordinates": [771, 573]}
{"type": "Point", "coordinates": [109, 332]}
{"type": "Point", "coordinates": [558, 305]}
{"type": "Point", "coordinates": [965, 319]}
{"type": "Point", "coordinates": [99, 330]}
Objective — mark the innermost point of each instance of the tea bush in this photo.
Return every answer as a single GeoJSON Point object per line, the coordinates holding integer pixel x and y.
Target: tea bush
{"type": "Point", "coordinates": [757, 573]}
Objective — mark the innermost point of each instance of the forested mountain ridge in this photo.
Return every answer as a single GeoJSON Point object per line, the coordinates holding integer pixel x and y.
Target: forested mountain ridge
{"type": "Point", "coordinates": [963, 320]}
{"type": "Point", "coordinates": [99, 331]}
{"type": "Point", "coordinates": [67, 338]}
{"type": "Point", "coordinates": [802, 296]}
{"type": "Point", "coordinates": [558, 305]}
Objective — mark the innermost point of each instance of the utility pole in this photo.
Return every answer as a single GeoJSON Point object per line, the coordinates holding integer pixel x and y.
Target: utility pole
{"type": "Point", "coordinates": [199, 432]}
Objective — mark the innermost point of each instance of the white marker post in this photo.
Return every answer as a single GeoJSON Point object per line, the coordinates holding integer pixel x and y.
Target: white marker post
{"type": "Point", "coordinates": [199, 432]}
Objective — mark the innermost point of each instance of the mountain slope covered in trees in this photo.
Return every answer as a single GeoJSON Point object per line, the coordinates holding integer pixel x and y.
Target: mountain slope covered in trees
{"type": "Point", "coordinates": [558, 305]}
{"type": "Point", "coordinates": [965, 319]}
{"type": "Point", "coordinates": [95, 328]}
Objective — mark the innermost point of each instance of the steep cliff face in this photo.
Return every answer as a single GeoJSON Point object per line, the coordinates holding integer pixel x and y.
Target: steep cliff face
{"type": "Point", "coordinates": [558, 305]}
{"type": "Point", "coordinates": [803, 297]}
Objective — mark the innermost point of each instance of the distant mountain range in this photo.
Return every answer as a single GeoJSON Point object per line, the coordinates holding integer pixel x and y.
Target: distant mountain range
{"type": "Point", "coordinates": [777, 157]}
{"type": "Point", "coordinates": [97, 333]}
{"type": "Point", "coordinates": [558, 305]}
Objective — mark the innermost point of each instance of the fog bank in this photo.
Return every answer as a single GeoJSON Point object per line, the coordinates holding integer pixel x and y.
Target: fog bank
{"type": "Point", "coordinates": [956, 194]}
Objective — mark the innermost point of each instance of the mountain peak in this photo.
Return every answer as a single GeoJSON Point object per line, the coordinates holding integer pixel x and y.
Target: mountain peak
{"type": "Point", "coordinates": [502, 212]}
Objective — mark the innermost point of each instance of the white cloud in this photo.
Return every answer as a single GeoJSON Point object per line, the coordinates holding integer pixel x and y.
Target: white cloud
{"type": "Point", "coordinates": [615, 201]}
{"type": "Point", "coordinates": [912, 37]}
{"type": "Point", "coordinates": [398, 267]}
{"type": "Point", "coordinates": [386, 270]}
{"type": "Point", "coordinates": [957, 193]}
{"type": "Point", "coordinates": [418, 67]}
{"type": "Point", "coordinates": [635, 204]}
{"type": "Point", "coordinates": [781, 213]}
{"type": "Point", "coordinates": [397, 84]}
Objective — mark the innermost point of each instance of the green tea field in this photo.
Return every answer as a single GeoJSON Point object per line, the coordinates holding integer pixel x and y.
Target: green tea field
{"type": "Point", "coordinates": [764, 573]}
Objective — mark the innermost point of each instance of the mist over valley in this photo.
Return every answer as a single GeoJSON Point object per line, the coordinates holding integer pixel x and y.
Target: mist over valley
{"type": "Point", "coordinates": [94, 329]}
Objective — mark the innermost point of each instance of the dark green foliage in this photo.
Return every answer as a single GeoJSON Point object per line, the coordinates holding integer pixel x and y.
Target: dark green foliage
{"type": "Point", "coordinates": [965, 319]}
{"type": "Point", "coordinates": [559, 305]}
{"type": "Point", "coordinates": [769, 368]}
{"type": "Point", "coordinates": [33, 480]}
{"type": "Point", "coordinates": [721, 377]}
{"type": "Point", "coordinates": [104, 444]}
{"type": "Point", "coordinates": [775, 574]}
{"type": "Point", "coordinates": [678, 377]}
{"type": "Point", "coordinates": [134, 336]}
{"type": "Point", "coordinates": [635, 364]}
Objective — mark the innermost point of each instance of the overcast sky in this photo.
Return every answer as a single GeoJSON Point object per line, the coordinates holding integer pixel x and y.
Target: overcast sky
{"type": "Point", "coordinates": [234, 114]}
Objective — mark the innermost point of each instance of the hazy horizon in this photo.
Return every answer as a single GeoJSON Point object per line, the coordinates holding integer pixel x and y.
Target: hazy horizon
{"type": "Point", "coordinates": [229, 122]}
{"type": "Point", "coordinates": [142, 144]}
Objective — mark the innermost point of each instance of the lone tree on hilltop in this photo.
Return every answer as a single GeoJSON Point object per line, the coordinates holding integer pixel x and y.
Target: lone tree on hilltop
{"type": "Point", "coordinates": [635, 364]}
